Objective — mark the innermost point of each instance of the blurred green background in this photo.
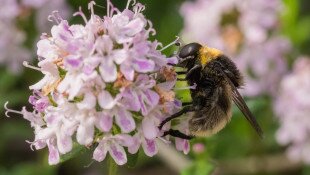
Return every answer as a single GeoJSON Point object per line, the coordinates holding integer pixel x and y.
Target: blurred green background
{"type": "Point", "coordinates": [235, 150]}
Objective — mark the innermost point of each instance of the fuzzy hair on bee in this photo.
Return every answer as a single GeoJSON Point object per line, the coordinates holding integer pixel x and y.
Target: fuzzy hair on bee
{"type": "Point", "coordinates": [217, 80]}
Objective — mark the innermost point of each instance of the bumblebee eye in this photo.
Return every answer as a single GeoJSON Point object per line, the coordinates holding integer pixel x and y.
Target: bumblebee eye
{"type": "Point", "coordinates": [191, 49]}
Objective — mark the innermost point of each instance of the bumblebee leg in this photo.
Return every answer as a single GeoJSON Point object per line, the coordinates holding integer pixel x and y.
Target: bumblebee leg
{"type": "Point", "coordinates": [181, 79]}
{"type": "Point", "coordinates": [181, 72]}
{"type": "Point", "coordinates": [175, 115]}
{"type": "Point", "coordinates": [195, 69]}
{"type": "Point", "coordinates": [177, 133]}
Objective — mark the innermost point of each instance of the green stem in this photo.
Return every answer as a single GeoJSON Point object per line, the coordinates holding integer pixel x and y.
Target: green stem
{"type": "Point", "coordinates": [112, 166]}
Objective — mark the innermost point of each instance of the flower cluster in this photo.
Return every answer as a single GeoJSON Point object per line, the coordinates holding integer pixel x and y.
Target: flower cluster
{"type": "Point", "coordinates": [247, 32]}
{"type": "Point", "coordinates": [12, 37]}
{"type": "Point", "coordinates": [104, 82]}
{"type": "Point", "coordinates": [293, 108]}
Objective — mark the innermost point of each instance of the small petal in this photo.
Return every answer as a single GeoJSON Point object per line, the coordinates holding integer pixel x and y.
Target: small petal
{"type": "Point", "coordinates": [46, 49]}
{"type": "Point", "coordinates": [172, 60]}
{"type": "Point", "coordinates": [64, 142]}
{"type": "Point", "coordinates": [125, 139]}
{"type": "Point", "coordinates": [45, 133]}
{"type": "Point", "coordinates": [182, 145]}
{"type": "Point", "coordinates": [39, 85]}
{"type": "Point", "coordinates": [152, 97]}
{"type": "Point", "coordinates": [150, 130]}
{"type": "Point", "coordinates": [125, 121]}
{"type": "Point", "coordinates": [64, 84]}
{"type": "Point", "coordinates": [149, 147]}
{"type": "Point", "coordinates": [104, 122]}
{"type": "Point", "coordinates": [133, 149]}
{"type": "Point", "coordinates": [105, 100]}
{"type": "Point", "coordinates": [85, 133]}
{"type": "Point", "coordinates": [100, 153]}
{"type": "Point", "coordinates": [108, 71]}
{"type": "Point", "coordinates": [75, 87]}
{"type": "Point", "coordinates": [134, 26]}
{"type": "Point", "coordinates": [39, 144]}
{"type": "Point", "coordinates": [119, 55]}
{"type": "Point", "coordinates": [128, 72]}
{"type": "Point", "coordinates": [73, 61]}
{"type": "Point", "coordinates": [143, 65]}
{"type": "Point", "coordinates": [53, 156]}
{"type": "Point", "coordinates": [186, 147]}
{"type": "Point", "coordinates": [88, 102]}
{"type": "Point", "coordinates": [118, 154]}
{"type": "Point", "coordinates": [131, 100]}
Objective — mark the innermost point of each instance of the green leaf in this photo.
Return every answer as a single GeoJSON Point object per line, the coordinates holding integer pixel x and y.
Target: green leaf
{"type": "Point", "coordinates": [7, 81]}
{"type": "Point", "coordinates": [76, 150]}
{"type": "Point", "coordinates": [62, 72]}
{"type": "Point", "coordinates": [200, 167]}
{"type": "Point", "coordinates": [132, 159]}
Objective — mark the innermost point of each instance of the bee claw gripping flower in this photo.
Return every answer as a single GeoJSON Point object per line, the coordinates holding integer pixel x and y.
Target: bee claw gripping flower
{"type": "Point", "coordinates": [100, 86]}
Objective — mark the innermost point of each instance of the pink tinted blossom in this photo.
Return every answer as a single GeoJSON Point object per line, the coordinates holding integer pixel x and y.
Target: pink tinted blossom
{"type": "Point", "coordinates": [247, 32]}
{"type": "Point", "coordinates": [198, 148]}
{"type": "Point", "coordinates": [101, 85]}
{"type": "Point", "coordinates": [13, 37]}
{"type": "Point", "coordinates": [292, 107]}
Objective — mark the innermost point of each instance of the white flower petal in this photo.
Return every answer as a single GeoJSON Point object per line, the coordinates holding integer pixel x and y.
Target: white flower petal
{"type": "Point", "coordinates": [85, 133]}
{"type": "Point", "coordinates": [119, 55]}
{"type": "Point", "coordinates": [64, 142]}
{"type": "Point", "coordinates": [53, 156]}
{"type": "Point", "coordinates": [118, 153]}
{"type": "Point", "coordinates": [149, 147]}
{"type": "Point", "coordinates": [125, 121]}
{"type": "Point", "coordinates": [88, 102]}
{"type": "Point", "coordinates": [104, 122]}
{"type": "Point", "coordinates": [105, 100]}
{"type": "Point", "coordinates": [108, 71]}
{"type": "Point", "coordinates": [39, 85]}
{"type": "Point", "coordinates": [133, 149]}
{"type": "Point", "coordinates": [149, 128]}
{"type": "Point", "coordinates": [100, 153]}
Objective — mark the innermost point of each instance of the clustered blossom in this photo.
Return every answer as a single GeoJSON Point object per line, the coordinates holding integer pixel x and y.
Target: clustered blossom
{"type": "Point", "coordinates": [247, 32]}
{"type": "Point", "coordinates": [12, 37]}
{"type": "Point", "coordinates": [293, 108]}
{"type": "Point", "coordinates": [105, 83]}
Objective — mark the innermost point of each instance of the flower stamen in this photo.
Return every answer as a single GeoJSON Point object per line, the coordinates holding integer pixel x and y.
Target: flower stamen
{"type": "Point", "coordinates": [55, 17]}
{"type": "Point", "coordinates": [80, 12]}
{"type": "Point", "coordinates": [128, 3]}
{"type": "Point", "coordinates": [10, 110]}
{"type": "Point", "coordinates": [26, 64]}
{"type": "Point", "coordinates": [175, 42]}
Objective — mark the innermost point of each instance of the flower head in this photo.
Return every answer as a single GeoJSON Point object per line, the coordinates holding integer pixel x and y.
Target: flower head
{"type": "Point", "coordinates": [13, 37]}
{"type": "Point", "coordinates": [293, 108]}
{"type": "Point", "coordinates": [105, 82]}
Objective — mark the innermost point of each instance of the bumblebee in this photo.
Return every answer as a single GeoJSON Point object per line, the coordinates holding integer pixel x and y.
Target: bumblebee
{"type": "Point", "coordinates": [217, 82]}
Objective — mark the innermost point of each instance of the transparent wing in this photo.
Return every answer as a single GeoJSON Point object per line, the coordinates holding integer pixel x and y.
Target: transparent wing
{"type": "Point", "coordinates": [238, 100]}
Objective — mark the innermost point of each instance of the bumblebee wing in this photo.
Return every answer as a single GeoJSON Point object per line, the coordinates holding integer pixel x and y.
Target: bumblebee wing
{"type": "Point", "coordinates": [238, 100]}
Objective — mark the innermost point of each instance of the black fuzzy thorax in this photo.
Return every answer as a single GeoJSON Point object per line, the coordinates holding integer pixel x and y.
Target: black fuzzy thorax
{"type": "Point", "coordinates": [212, 95]}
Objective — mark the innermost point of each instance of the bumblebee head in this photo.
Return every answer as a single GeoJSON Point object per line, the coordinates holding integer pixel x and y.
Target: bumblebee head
{"type": "Point", "coordinates": [188, 54]}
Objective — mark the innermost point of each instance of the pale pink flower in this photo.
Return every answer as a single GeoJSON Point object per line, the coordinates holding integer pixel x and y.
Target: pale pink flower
{"type": "Point", "coordinates": [12, 36]}
{"type": "Point", "coordinates": [113, 145]}
{"type": "Point", "coordinates": [101, 85]}
{"type": "Point", "coordinates": [292, 106]}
